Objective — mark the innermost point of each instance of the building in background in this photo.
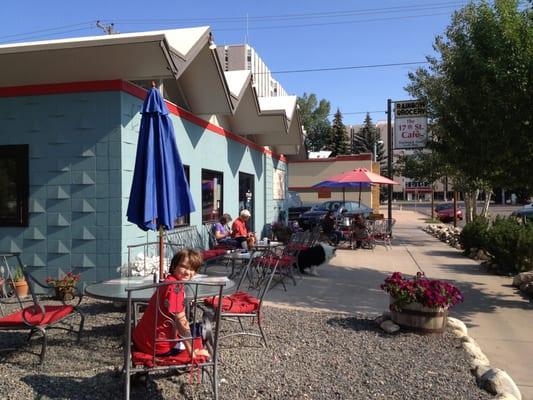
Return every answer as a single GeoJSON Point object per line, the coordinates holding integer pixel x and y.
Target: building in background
{"type": "Point", "coordinates": [244, 57]}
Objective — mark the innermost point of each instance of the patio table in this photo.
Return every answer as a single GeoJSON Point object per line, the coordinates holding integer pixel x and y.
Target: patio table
{"type": "Point", "coordinates": [115, 289]}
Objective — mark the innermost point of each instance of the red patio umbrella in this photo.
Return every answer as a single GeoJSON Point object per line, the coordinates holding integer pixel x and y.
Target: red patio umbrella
{"type": "Point", "coordinates": [355, 178]}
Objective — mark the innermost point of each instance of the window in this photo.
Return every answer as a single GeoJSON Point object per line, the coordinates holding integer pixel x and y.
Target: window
{"type": "Point", "coordinates": [212, 195]}
{"type": "Point", "coordinates": [14, 185]}
{"type": "Point", "coordinates": [185, 219]}
{"type": "Point", "coordinates": [278, 187]}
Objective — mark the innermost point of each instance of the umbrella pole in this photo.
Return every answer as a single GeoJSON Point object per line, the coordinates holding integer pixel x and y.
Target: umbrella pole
{"type": "Point", "coordinates": [343, 195]}
{"type": "Point", "coordinates": [359, 193]}
{"type": "Point", "coordinates": [161, 253]}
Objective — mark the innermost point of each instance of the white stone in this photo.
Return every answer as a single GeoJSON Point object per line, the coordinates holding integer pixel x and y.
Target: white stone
{"type": "Point", "coordinates": [476, 355]}
{"type": "Point", "coordinates": [527, 287]}
{"type": "Point", "coordinates": [456, 324]}
{"type": "Point", "coordinates": [383, 317]}
{"type": "Point", "coordinates": [389, 326]}
{"type": "Point", "coordinates": [523, 277]}
{"type": "Point", "coordinates": [497, 381]}
{"type": "Point", "coordinates": [480, 370]}
{"type": "Point", "coordinates": [458, 333]}
{"type": "Point", "coordinates": [505, 396]}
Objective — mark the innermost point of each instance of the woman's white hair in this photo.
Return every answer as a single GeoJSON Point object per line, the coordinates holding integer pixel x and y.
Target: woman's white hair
{"type": "Point", "coordinates": [245, 213]}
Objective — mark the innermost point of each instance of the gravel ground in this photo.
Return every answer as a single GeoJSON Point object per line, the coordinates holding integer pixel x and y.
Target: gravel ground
{"type": "Point", "coordinates": [312, 356]}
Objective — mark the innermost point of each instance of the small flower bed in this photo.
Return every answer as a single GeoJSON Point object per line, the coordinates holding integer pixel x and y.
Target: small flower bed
{"type": "Point", "coordinates": [69, 280]}
{"type": "Point", "coordinates": [419, 289]}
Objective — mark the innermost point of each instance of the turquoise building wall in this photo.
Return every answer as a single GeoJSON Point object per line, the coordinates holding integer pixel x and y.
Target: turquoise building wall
{"type": "Point", "coordinates": [82, 152]}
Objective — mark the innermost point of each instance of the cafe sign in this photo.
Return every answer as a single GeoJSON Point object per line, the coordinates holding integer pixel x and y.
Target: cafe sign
{"type": "Point", "coordinates": [410, 124]}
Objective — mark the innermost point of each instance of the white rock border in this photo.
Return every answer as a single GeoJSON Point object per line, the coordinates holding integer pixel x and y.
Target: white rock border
{"type": "Point", "coordinates": [495, 381]}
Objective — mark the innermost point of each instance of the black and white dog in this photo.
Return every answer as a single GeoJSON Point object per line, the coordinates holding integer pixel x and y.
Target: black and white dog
{"type": "Point", "coordinates": [315, 256]}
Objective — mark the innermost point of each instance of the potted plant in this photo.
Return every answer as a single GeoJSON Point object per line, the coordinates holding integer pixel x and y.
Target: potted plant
{"type": "Point", "coordinates": [65, 287]}
{"type": "Point", "coordinates": [420, 303]}
{"type": "Point", "coordinates": [281, 231]}
{"type": "Point", "coordinates": [19, 283]}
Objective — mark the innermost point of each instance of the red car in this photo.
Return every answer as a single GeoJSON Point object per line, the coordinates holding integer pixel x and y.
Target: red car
{"type": "Point", "coordinates": [445, 212]}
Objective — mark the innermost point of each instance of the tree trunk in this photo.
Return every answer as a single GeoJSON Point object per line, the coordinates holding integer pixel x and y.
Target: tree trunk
{"type": "Point", "coordinates": [488, 195]}
{"type": "Point", "coordinates": [432, 201]}
{"type": "Point", "coordinates": [473, 201]}
{"type": "Point", "coordinates": [468, 209]}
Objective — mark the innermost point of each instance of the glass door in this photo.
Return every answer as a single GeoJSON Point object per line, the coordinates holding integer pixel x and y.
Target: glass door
{"type": "Point", "coordinates": [247, 196]}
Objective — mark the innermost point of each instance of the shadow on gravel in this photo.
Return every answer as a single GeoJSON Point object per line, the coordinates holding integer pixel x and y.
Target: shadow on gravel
{"type": "Point", "coordinates": [75, 387]}
{"type": "Point", "coordinates": [452, 253]}
{"type": "Point", "coordinates": [356, 324]}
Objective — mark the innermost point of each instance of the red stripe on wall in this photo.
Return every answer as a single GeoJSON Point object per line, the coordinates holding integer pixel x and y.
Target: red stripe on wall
{"type": "Point", "coordinates": [136, 91]}
{"type": "Point", "coordinates": [355, 157]}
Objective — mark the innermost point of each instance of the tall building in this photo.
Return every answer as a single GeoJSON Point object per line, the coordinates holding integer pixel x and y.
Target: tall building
{"type": "Point", "coordinates": [243, 57]}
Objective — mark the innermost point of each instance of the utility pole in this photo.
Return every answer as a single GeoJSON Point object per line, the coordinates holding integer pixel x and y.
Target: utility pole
{"type": "Point", "coordinates": [389, 156]}
{"type": "Point", "coordinates": [107, 28]}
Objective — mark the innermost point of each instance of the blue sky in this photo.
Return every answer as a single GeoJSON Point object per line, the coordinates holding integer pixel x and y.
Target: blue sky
{"type": "Point", "coordinates": [288, 35]}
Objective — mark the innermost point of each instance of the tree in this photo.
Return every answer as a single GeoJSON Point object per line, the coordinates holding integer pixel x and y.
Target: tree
{"type": "Point", "coordinates": [314, 116]}
{"type": "Point", "coordinates": [365, 139]}
{"type": "Point", "coordinates": [479, 91]}
{"type": "Point", "coordinates": [338, 143]}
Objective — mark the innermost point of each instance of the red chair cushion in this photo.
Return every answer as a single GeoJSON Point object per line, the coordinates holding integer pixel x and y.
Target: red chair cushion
{"type": "Point", "coordinates": [213, 253]}
{"type": "Point", "coordinates": [297, 247]}
{"type": "Point", "coordinates": [35, 317]}
{"type": "Point", "coordinates": [184, 357]}
{"type": "Point", "coordinates": [285, 261]}
{"type": "Point", "coordinates": [238, 302]}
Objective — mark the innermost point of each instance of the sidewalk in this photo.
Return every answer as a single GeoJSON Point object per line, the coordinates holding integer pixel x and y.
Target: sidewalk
{"type": "Point", "coordinates": [497, 316]}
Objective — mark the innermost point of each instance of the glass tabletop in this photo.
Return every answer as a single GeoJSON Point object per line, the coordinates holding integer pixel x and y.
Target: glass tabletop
{"type": "Point", "coordinates": [115, 289]}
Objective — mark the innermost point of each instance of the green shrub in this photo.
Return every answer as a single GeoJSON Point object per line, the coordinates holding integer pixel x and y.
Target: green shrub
{"type": "Point", "coordinates": [524, 249]}
{"type": "Point", "coordinates": [474, 234]}
{"type": "Point", "coordinates": [510, 244]}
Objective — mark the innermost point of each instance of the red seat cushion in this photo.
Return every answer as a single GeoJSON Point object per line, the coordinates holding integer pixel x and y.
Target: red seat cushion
{"type": "Point", "coordinates": [284, 262]}
{"type": "Point", "coordinates": [213, 253]}
{"type": "Point", "coordinates": [238, 302]}
{"type": "Point", "coordinates": [184, 357]}
{"type": "Point", "coordinates": [297, 246]}
{"type": "Point", "coordinates": [35, 317]}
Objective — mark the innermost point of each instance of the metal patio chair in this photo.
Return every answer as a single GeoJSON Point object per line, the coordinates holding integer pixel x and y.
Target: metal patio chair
{"type": "Point", "coordinates": [256, 278]}
{"type": "Point", "coordinates": [33, 315]}
{"type": "Point", "coordinates": [202, 336]}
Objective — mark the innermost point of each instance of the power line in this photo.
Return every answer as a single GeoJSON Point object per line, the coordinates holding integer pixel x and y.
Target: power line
{"type": "Point", "coordinates": [86, 24]}
{"type": "Point", "coordinates": [344, 68]}
{"type": "Point", "coordinates": [331, 14]}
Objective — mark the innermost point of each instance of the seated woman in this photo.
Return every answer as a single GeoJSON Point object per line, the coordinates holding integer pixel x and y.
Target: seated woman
{"type": "Point", "coordinates": [240, 231]}
{"type": "Point", "coordinates": [359, 231]}
{"type": "Point", "coordinates": [329, 228]}
{"type": "Point", "coordinates": [183, 267]}
{"type": "Point", "coordinates": [222, 232]}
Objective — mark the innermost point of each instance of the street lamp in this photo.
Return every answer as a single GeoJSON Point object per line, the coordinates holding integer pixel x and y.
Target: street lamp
{"type": "Point", "coordinates": [376, 149]}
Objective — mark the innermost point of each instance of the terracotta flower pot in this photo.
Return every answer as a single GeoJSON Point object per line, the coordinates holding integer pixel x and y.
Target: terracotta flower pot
{"type": "Point", "coordinates": [21, 287]}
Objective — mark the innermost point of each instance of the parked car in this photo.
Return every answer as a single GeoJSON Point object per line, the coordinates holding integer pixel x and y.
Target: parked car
{"type": "Point", "coordinates": [445, 212]}
{"type": "Point", "coordinates": [314, 216]}
{"type": "Point", "coordinates": [295, 206]}
{"type": "Point", "coordinates": [525, 214]}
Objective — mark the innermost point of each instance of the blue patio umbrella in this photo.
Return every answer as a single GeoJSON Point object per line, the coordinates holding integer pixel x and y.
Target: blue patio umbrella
{"type": "Point", "coordinates": [159, 192]}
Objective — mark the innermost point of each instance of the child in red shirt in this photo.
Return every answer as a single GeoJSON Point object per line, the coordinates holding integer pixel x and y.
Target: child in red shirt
{"type": "Point", "coordinates": [171, 319]}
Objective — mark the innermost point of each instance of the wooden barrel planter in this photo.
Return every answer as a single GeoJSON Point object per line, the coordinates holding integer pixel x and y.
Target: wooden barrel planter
{"type": "Point", "coordinates": [418, 318]}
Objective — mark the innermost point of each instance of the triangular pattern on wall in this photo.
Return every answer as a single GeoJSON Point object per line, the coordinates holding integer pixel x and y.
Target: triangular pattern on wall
{"type": "Point", "coordinates": [35, 206]}
{"type": "Point", "coordinates": [59, 220]}
{"type": "Point", "coordinates": [62, 165]}
{"type": "Point", "coordinates": [36, 261]}
{"type": "Point", "coordinates": [82, 205]}
{"type": "Point", "coordinates": [33, 234]}
{"type": "Point", "coordinates": [14, 247]}
{"type": "Point", "coordinates": [86, 234]}
{"type": "Point", "coordinates": [60, 248]}
{"type": "Point", "coordinates": [60, 193]}
{"type": "Point", "coordinates": [87, 152]}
